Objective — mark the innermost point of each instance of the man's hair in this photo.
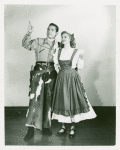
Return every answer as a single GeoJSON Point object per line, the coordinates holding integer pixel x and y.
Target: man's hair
{"type": "Point", "coordinates": [52, 24]}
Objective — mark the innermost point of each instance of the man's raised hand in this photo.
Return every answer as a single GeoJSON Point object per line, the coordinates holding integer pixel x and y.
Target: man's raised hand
{"type": "Point", "coordinates": [30, 27]}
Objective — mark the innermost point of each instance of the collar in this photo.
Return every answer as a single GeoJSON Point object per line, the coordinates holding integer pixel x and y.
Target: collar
{"type": "Point", "coordinates": [47, 40]}
{"type": "Point", "coordinates": [50, 39]}
{"type": "Point", "coordinates": [55, 43]}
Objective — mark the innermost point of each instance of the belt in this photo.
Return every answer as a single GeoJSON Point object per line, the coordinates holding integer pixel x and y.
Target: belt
{"type": "Point", "coordinates": [43, 71]}
{"type": "Point", "coordinates": [44, 63]}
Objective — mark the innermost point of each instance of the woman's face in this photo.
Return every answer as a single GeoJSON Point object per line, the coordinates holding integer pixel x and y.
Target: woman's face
{"type": "Point", "coordinates": [65, 38]}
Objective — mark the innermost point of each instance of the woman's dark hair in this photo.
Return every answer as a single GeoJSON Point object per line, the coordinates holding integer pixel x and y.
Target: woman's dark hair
{"type": "Point", "coordinates": [72, 39]}
{"type": "Point", "coordinates": [52, 24]}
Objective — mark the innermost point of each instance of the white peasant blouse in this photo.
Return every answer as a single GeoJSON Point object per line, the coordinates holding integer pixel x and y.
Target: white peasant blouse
{"type": "Point", "coordinates": [66, 55]}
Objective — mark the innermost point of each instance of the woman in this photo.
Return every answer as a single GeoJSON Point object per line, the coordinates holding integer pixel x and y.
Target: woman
{"type": "Point", "coordinates": [70, 103]}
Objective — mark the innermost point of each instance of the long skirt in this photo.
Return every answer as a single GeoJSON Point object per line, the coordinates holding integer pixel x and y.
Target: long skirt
{"type": "Point", "coordinates": [70, 102]}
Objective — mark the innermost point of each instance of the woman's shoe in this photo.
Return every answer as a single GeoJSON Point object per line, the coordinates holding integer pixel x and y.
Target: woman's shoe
{"type": "Point", "coordinates": [61, 133]}
{"type": "Point", "coordinates": [72, 135]}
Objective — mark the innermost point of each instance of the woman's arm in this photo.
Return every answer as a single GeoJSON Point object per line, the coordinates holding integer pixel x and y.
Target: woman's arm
{"type": "Point", "coordinates": [79, 60]}
{"type": "Point", "coordinates": [80, 63]}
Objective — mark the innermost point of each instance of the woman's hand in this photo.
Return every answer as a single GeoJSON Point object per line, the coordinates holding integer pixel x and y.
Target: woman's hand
{"type": "Point", "coordinates": [57, 67]}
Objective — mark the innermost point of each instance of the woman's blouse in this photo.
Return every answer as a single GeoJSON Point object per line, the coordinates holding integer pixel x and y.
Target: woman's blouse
{"type": "Point", "coordinates": [66, 55]}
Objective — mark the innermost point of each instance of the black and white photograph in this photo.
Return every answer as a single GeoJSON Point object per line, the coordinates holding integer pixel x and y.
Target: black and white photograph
{"type": "Point", "coordinates": [59, 75]}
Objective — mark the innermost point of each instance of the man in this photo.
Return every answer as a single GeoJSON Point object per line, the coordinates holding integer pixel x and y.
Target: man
{"type": "Point", "coordinates": [42, 79]}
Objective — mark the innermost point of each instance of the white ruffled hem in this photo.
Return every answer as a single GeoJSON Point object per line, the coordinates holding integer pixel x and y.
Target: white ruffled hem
{"type": "Point", "coordinates": [30, 125]}
{"type": "Point", "coordinates": [76, 118]}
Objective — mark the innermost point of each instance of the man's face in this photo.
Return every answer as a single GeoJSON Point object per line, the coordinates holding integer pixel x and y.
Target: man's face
{"type": "Point", "coordinates": [51, 32]}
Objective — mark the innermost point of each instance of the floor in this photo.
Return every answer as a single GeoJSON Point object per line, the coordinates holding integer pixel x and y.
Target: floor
{"type": "Point", "coordinates": [95, 132]}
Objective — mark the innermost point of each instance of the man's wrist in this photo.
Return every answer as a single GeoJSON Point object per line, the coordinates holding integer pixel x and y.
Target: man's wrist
{"type": "Point", "coordinates": [29, 32]}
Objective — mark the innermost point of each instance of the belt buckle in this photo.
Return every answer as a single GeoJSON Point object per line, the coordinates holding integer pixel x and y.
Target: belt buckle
{"type": "Point", "coordinates": [47, 69]}
{"type": "Point", "coordinates": [44, 67]}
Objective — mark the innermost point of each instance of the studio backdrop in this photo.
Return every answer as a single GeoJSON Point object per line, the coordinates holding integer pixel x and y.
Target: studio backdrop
{"type": "Point", "coordinates": [94, 27]}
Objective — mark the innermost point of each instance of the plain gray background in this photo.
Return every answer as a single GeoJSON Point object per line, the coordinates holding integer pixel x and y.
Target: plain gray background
{"type": "Point", "coordinates": [94, 27]}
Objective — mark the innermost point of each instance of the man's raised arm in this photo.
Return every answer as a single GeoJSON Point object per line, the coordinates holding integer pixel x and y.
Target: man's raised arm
{"type": "Point", "coordinates": [27, 42]}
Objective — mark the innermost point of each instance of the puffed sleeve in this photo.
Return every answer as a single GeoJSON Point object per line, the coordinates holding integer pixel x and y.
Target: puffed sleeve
{"type": "Point", "coordinates": [55, 59]}
{"type": "Point", "coordinates": [80, 62]}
